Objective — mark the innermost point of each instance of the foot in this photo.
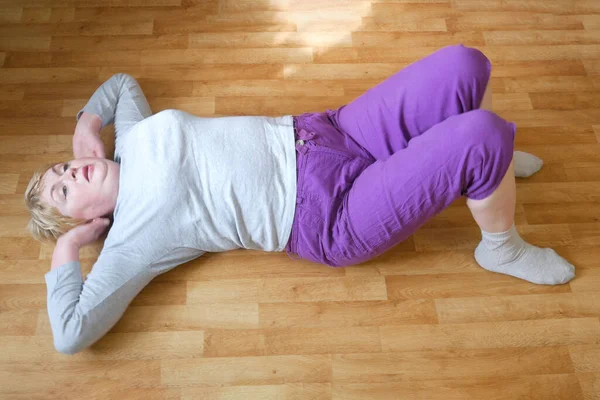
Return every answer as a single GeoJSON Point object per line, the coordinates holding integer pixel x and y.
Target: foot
{"type": "Point", "coordinates": [507, 253]}
{"type": "Point", "coordinates": [526, 164]}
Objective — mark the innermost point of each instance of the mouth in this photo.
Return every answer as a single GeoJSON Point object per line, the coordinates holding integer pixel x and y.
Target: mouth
{"type": "Point", "coordinates": [87, 172]}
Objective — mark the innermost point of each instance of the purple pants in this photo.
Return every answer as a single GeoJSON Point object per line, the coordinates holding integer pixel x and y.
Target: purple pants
{"type": "Point", "coordinates": [373, 171]}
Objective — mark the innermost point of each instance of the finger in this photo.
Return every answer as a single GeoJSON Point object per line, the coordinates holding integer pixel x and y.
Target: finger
{"type": "Point", "coordinates": [101, 221]}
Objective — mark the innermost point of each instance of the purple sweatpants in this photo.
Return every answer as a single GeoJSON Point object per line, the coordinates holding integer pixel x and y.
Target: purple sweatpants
{"type": "Point", "coordinates": [372, 172]}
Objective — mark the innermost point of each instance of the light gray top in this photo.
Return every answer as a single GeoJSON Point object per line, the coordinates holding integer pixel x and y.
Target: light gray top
{"type": "Point", "coordinates": [187, 185]}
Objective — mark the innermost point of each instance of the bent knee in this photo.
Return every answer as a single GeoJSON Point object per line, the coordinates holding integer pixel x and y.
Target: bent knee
{"type": "Point", "coordinates": [468, 60]}
{"type": "Point", "coordinates": [483, 127]}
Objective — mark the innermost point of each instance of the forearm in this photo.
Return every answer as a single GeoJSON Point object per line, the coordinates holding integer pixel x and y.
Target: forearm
{"type": "Point", "coordinates": [88, 122]}
{"type": "Point", "coordinates": [64, 252]}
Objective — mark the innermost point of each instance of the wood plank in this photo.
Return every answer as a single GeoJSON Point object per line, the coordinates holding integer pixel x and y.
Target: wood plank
{"type": "Point", "coordinates": [199, 11]}
{"type": "Point", "coordinates": [556, 386]}
{"type": "Point", "coordinates": [96, 28]}
{"type": "Point", "coordinates": [14, 272]}
{"type": "Point", "coordinates": [592, 67]}
{"type": "Point", "coordinates": [25, 43]}
{"type": "Point", "coordinates": [561, 134]}
{"type": "Point", "coordinates": [19, 248]}
{"type": "Point", "coordinates": [420, 39]}
{"type": "Point", "coordinates": [45, 75]}
{"type": "Point", "coordinates": [263, 88]}
{"type": "Point", "coordinates": [428, 263]}
{"type": "Point", "coordinates": [274, 106]}
{"type": "Point", "coordinates": [124, 43]}
{"type": "Point", "coordinates": [586, 233]}
{"type": "Point", "coordinates": [20, 322]}
{"type": "Point", "coordinates": [590, 384]}
{"type": "Point", "coordinates": [277, 290]}
{"type": "Point", "coordinates": [567, 101]}
{"type": "Point", "coordinates": [518, 307]}
{"type": "Point", "coordinates": [22, 297]}
{"type": "Point", "coordinates": [541, 37]}
{"type": "Point", "coordinates": [500, 53]}
{"type": "Point", "coordinates": [11, 92]}
{"type": "Point", "coordinates": [8, 183]}
{"type": "Point", "coordinates": [24, 378]}
{"type": "Point", "coordinates": [451, 364]}
{"type": "Point", "coordinates": [162, 27]}
{"type": "Point", "coordinates": [119, 347]}
{"type": "Point", "coordinates": [36, 144]}
{"type": "Point", "coordinates": [93, 3]}
{"type": "Point", "coordinates": [226, 371]}
{"type": "Point", "coordinates": [268, 39]}
{"type": "Point", "coordinates": [513, 101]}
{"type": "Point", "coordinates": [587, 281]}
{"type": "Point", "coordinates": [233, 343]}
{"type": "Point", "coordinates": [36, 15]}
{"type": "Point", "coordinates": [568, 192]}
{"type": "Point", "coordinates": [226, 56]}
{"type": "Point", "coordinates": [548, 84]}
{"type": "Point", "coordinates": [586, 358]}
{"type": "Point", "coordinates": [535, 68]}
{"type": "Point", "coordinates": [558, 7]}
{"type": "Point", "coordinates": [193, 73]}
{"type": "Point", "coordinates": [347, 314]}
{"type": "Point", "coordinates": [35, 126]}
{"type": "Point", "coordinates": [288, 391]}
{"type": "Point", "coordinates": [14, 226]}
{"type": "Point", "coordinates": [493, 335]}
{"type": "Point", "coordinates": [563, 213]}
{"type": "Point", "coordinates": [453, 285]}
{"type": "Point", "coordinates": [510, 20]}
{"type": "Point", "coordinates": [582, 172]}
{"type": "Point", "coordinates": [10, 14]}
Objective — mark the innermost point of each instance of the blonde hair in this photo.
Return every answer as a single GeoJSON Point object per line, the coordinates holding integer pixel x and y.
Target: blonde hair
{"type": "Point", "coordinates": [47, 223]}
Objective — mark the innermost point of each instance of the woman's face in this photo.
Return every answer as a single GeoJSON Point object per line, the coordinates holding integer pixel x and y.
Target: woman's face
{"type": "Point", "coordinates": [84, 188]}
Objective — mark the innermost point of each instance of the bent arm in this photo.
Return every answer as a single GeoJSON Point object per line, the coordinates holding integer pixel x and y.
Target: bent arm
{"type": "Point", "coordinates": [81, 312]}
{"type": "Point", "coordinates": [119, 100]}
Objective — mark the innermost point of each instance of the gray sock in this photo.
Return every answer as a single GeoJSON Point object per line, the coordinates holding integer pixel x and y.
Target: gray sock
{"type": "Point", "coordinates": [507, 253]}
{"type": "Point", "coordinates": [526, 164]}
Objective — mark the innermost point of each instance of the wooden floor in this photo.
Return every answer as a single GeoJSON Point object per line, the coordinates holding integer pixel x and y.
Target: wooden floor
{"type": "Point", "coordinates": [421, 322]}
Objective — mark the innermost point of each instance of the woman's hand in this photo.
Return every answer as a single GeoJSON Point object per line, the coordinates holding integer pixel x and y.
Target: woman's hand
{"type": "Point", "coordinates": [86, 140]}
{"type": "Point", "coordinates": [68, 245]}
{"type": "Point", "coordinates": [87, 233]}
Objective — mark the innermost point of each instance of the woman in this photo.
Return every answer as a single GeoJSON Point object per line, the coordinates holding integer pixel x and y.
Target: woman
{"type": "Point", "coordinates": [338, 187]}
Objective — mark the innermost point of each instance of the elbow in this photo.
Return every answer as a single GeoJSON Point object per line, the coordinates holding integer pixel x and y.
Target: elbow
{"type": "Point", "coordinates": [123, 77]}
{"type": "Point", "coordinates": [66, 345]}
{"type": "Point", "coordinates": [70, 337]}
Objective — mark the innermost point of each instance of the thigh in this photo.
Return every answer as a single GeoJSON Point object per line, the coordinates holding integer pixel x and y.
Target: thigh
{"type": "Point", "coordinates": [384, 119]}
{"type": "Point", "coordinates": [325, 174]}
{"type": "Point", "coordinates": [467, 154]}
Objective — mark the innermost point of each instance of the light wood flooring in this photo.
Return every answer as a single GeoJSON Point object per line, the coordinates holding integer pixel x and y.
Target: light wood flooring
{"type": "Point", "coordinates": [421, 322]}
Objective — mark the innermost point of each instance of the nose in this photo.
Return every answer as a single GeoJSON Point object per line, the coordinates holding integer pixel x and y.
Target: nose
{"type": "Point", "coordinates": [72, 173]}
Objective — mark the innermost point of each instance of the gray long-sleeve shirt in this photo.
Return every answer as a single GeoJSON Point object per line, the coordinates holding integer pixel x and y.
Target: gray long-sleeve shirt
{"type": "Point", "coordinates": [187, 185]}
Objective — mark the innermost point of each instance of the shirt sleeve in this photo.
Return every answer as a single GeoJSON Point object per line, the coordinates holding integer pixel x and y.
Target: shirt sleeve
{"type": "Point", "coordinates": [81, 312]}
{"type": "Point", "coordinates": [119, 100]}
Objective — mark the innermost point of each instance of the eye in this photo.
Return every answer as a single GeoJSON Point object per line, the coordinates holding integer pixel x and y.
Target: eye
{"type": "Point", "coordinates": [65, 191]}
{"type": "Point", "coordinates": [65, 167]}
